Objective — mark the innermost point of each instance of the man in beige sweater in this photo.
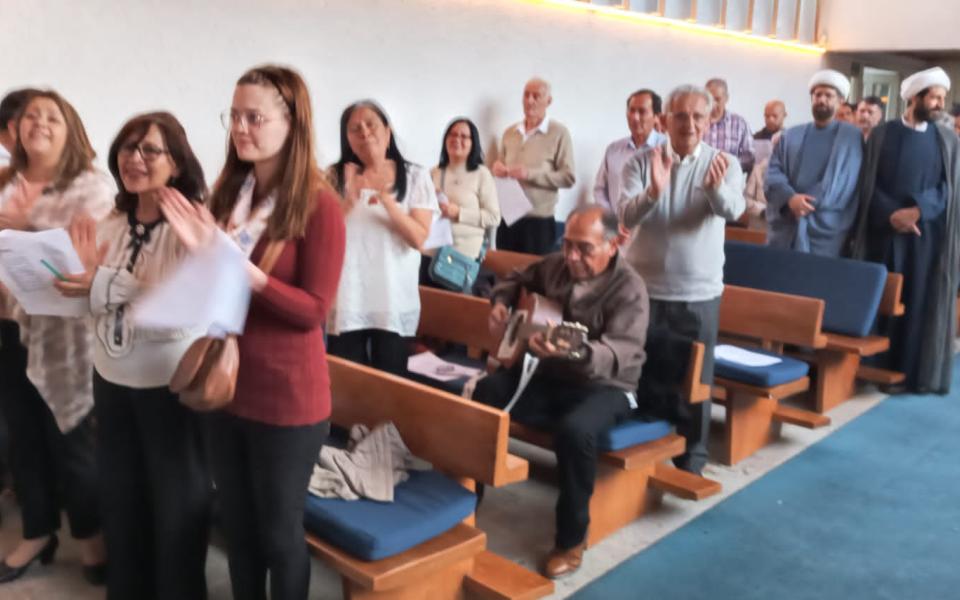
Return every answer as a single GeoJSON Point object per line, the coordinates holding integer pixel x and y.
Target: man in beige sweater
{"type": "Point", "coordinates": [538, 153]}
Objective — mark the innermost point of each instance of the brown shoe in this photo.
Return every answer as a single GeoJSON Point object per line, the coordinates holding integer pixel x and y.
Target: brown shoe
{"type": "Point", "coordinates": [561, 563]}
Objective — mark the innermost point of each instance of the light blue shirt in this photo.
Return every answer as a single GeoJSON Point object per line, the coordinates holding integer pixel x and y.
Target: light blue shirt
{"type": "Point", "coordinates": [609, 182]}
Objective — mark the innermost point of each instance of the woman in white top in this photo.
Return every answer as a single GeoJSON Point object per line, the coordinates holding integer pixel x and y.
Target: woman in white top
{"type": "Point", "coordinates": [388, 204]}
{"type": "Point", "coordinates": [47, 380]}
{"type": "Point", "coordinates": [468, 186]}
{"type": "Point", "coordinates": [153, 479]}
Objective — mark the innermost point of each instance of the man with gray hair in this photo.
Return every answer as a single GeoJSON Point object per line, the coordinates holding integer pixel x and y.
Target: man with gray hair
{"type": "Point", "coordinates": [676, 199]}
{"type": "Point", "coordinates": [538, 153]}
{"type": "Point", "coordinates": [728, 132]}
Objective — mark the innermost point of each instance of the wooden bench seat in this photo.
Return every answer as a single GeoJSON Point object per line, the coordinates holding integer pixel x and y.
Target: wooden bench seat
{"type": "Point", "coordinates": [767, 320]}
{"type": "Point", "coordinates": [630, 481]}
{"type": "Point", "coordinates": [469, 445]}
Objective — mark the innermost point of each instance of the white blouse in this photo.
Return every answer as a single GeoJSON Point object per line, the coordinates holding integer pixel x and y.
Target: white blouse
{"type": "Point", "coordinates": [379, 285]}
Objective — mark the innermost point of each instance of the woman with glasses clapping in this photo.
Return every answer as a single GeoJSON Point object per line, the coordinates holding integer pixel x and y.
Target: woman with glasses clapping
{"type": "Point", "coordinates": [264, 444]}
{"type": "Point", "coordinates": [154, 482]}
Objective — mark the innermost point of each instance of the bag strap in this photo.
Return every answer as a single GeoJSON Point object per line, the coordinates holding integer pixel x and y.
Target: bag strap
{"type": "Point", "coordinates": [484, 246]}
{"type": "Point", "coordinates": [270, 255]}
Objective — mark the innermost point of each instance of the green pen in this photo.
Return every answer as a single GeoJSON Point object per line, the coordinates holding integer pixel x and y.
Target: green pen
{"type": "Point", "coordinates": [51, 268]}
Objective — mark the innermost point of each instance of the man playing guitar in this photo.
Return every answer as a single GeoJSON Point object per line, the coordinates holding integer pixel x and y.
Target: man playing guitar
{"type": "Point", "coordinates": [576, 392]}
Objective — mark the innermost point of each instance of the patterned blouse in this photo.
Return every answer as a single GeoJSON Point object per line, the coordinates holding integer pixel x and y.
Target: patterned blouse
{"type": "Point", "coordinates": [60, 350]}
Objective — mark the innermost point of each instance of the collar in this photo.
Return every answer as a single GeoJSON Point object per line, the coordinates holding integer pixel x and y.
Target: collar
{"type": "Point", "coordinates": [692, 157]}
{"type": "Point", "coordinates": [654, 139]}
{"type": "Point", "coordinates": [921, 127]}
{"type": "Point", "coordinates": [542, 127]}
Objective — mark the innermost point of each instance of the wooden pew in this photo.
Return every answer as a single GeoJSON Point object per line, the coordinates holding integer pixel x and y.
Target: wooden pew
{"type": "Point", "coordinates": [460, 438]}
{"type": "Point", "coordinates": [630, 481]}
{"type": "Point", "coordinates": [767, 320]}
{"type": "Point", "coordinates": [891, 305]}
{"type": "Point", "coordinates": [745, 234]}
{"type": "Point", "coordinates": [503, 262]}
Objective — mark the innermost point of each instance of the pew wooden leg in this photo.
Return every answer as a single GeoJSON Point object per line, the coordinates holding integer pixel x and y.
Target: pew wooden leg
{"type": "Point", "coordinates": [445, 584]}
{"type": "Point", "coordinates": [835, 378]}
{"type": "Point", "coordinates": [750, 425]}
{"type": "Point", "coordinates": [619, 498]}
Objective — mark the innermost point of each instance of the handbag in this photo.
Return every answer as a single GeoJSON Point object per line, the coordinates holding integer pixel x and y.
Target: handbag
{"type": "Point", "coordinates": [206, 376]}
{"type": "Point", "coordinates": [453, 269]}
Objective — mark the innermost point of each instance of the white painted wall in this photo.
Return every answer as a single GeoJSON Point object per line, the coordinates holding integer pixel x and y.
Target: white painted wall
{"type": "Point", "coordinates": [424, 60]}
{"type": "Point", "coordinates": [890, 25]}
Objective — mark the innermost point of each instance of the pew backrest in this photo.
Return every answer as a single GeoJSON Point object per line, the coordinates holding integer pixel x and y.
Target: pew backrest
{"type": "Point", "coordinates": [503, 262]}
{"type": "Point", "coordinates": [772, 317]}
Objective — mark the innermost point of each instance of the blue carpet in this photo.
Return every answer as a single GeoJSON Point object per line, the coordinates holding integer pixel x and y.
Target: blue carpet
{"type": "Point", "coordinates": [872, 511]}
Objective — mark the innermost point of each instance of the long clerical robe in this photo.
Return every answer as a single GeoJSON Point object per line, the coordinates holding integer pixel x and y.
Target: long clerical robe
{"type": "Point", "coordinates": [906, 168]}
{"type": "Point", "coordinates": [823, 163]}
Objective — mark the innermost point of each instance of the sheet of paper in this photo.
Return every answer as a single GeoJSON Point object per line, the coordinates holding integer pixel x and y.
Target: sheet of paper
{"type": "Point", "coordinates": [514, 204]}
{"type": "Point", "coordinates": [441, 233]}
{"type": "Point", "coordinates": [430, 365]}
{"type": "Point", "coordinates": [744, 357]}
{"type": "Point", "coordinates": [210, 290]}
{"type": "Point", "coordinates": [30, 282]}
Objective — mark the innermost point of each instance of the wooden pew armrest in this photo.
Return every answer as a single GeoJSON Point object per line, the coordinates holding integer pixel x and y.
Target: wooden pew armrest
{"type": "Point", "coordinates": [644, 454]}
{"type": "Point", "coordinates": [876, 375]}
{"type": "Point", "coordinates": [862, 346]}
{"type": "Point", "coordinates": [800, 417]}
{"type": "Point", "coordinates": [683, 484]}
{"type": "Point", "coordinates": [514, 469]}
{"type": "Point", "coordinates": [496, 578]}
{"type": "Point", "coordinates": [723, 386]}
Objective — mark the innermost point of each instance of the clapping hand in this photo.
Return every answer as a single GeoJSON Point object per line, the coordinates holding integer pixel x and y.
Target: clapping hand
{"type": "Point", "coordinates": [83, 234]}
{"type": "Point", "coordinates": [660, 164]}
{"type": "Point", "coordinates": [716, 172]}
{"type": "Point", "coordinates": [16, 215]}
{"type": "Point", "coordinates": [192, 223]}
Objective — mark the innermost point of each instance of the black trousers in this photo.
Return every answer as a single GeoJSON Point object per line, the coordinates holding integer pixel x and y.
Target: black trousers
{"type": "Point", "coordinates": [530, 235]}
{"type": "Point", "coordinates": [698, 321]}
{"type": "Point", "coordinates": [155, 492]}
{"type": "Point", "coordinates": [51, 470]}
{"type": "Point", "coordinates": [261, 472]}
{"type": "Point", "coordinates": [377, 348]}
{"type": "Point", "coordinates": [576, 414]}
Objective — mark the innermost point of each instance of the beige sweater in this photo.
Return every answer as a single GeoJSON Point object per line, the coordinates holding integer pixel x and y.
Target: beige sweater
{"type": "Point", "coordinates": [548, 158]}
{"type": "Point", "coordinates": [476, 195]}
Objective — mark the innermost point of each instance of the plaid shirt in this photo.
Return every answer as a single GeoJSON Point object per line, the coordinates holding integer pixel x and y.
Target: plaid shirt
{"type": "Point", "coordinates": [732, 134]}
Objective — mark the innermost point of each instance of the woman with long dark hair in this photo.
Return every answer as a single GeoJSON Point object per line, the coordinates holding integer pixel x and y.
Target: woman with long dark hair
{"type": "Point", "coordinates": [389, 205]}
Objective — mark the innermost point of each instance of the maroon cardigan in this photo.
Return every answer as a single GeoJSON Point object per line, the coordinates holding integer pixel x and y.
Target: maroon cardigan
{"type": "Point", "coordinates": [283, 378]}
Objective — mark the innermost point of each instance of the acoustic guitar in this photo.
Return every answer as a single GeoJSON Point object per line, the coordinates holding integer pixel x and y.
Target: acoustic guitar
{"type": "Point", "coordinates": [535, 313]}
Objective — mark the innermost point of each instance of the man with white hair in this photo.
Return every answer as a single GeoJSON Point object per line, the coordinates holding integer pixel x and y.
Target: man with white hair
{"type": "Point", "coordinates": [909, 220]}
{"type": "Point", "coordinates": [811, 182]}
{"type": "Point", "coordinates": [676, 199]}
{"type": "Point", "coordinates": [538, 153]}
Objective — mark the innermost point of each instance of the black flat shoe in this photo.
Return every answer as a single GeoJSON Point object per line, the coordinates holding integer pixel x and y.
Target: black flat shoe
{"type": "Point", "coordinates": [45, 556]}
{"type": "Point", "coordinates": [95, 574]}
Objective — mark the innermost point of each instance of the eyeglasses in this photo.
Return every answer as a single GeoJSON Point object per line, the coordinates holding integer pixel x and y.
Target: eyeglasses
{"type": "Point", "coordinates": [148, 152]}
{"type": "Point", "coordinates": [582, 248]}
{"type": "Point", "coordinates": [249, 119]}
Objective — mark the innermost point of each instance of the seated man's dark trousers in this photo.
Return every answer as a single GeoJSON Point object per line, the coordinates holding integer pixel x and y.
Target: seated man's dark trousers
{"type": "Point", "coordinates": [576, 413]}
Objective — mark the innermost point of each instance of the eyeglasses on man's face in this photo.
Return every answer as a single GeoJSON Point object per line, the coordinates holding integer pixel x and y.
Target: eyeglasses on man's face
{"type": "Point", "coordinates": [148, 152]}
{"type": "Point", "coordinates": [249, 120]}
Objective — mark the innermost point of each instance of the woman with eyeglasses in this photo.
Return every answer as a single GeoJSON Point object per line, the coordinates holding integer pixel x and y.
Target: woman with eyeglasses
{"type": "Point", "coordinates": [154, 483]}
{"type": "Point", "coordinates": [47, 361]}
{"type": "Point", "coordinates": [264, 444]}
{"type": "Point", "coordinates": [467, 185]}
{"type": "Point", "coordinates": [389, 205]}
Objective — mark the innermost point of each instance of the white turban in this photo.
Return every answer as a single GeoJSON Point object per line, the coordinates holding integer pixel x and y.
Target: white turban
{"type": "Point", "coordinates": [834, 79]}
{"type": "Point", "coordinates": [920, 81]}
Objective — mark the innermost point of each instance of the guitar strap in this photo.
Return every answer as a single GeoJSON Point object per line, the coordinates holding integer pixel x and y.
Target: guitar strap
{"type": "Point", "coordinates": [530, 363]}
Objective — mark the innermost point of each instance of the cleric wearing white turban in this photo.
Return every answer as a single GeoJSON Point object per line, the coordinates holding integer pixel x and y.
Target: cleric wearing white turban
{"type": "Point", "coordinates": [909, 220]}
{"type": "Point", "coordinates": [834, 79]}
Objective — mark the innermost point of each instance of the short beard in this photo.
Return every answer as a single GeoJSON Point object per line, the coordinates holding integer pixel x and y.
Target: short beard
{"type": "Point", "coordinates": [823, 113]}
{"type": "Point", "coordinates": [921, 114]}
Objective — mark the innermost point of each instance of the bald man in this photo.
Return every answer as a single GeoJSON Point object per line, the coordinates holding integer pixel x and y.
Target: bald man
{"type": "Point", "coordinates": [577, 397]}
{"type": "Point", "coordinates": [774, 114]}
{"type": "Point", "coordinates": [538, 153]}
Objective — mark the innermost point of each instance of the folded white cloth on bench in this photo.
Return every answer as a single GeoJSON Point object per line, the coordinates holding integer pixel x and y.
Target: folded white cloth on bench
{"type": "Point", "coordinates": [373, 463]}
{"type": "Point", "coordinates": [744, 357]}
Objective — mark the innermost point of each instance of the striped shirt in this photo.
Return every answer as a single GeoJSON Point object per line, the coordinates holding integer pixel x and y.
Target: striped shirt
{"type": "Point", "coordinates": [731, 134]}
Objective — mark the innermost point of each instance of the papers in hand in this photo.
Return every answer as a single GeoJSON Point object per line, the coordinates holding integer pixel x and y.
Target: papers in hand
{"type": "Point", "coordinates": [209, 290]}
{"type": "Point", "coordinates": [514, 204]}
{"type": "Point", "coordinates": [430, 365]}
{"type": "Point", "coordinates": [23, 272]}
{"type": "Point", "coordinates": [744, 357]}
{"type": "Point", "coordinates": [441, 233]}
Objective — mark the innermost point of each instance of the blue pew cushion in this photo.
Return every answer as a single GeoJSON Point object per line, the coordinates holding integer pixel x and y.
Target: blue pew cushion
{"type": "Point", "coordinates": [786, 370]}
{"type": "Point", "coordinates": [851, 289]}
{"type": "Point", "coordinates": [632, 432]}
{"type": "Point", "coordinates": [423, 507]}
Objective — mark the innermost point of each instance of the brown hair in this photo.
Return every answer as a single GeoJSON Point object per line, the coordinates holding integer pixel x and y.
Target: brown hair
{"type": "Point", "coordinates": [300, 179]}
{"type": "Point", "coordinates": [77, 155]}
{"type": "Point", "coordinates": [189, 181]}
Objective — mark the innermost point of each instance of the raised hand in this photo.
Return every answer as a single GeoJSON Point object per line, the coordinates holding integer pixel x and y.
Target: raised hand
{"type": "Point", "coordinates": [83, 234]}
{"type": "Point", "coordinates": [716, 172]}
{"type": "Point", "coordinates": [16, 215]}
{"type": "Point", "coordinates": [660, 165]}
{"type": "Point", "coordinates": [499, 169]}
{"type": "Point", "coordinates": [191, 222]}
